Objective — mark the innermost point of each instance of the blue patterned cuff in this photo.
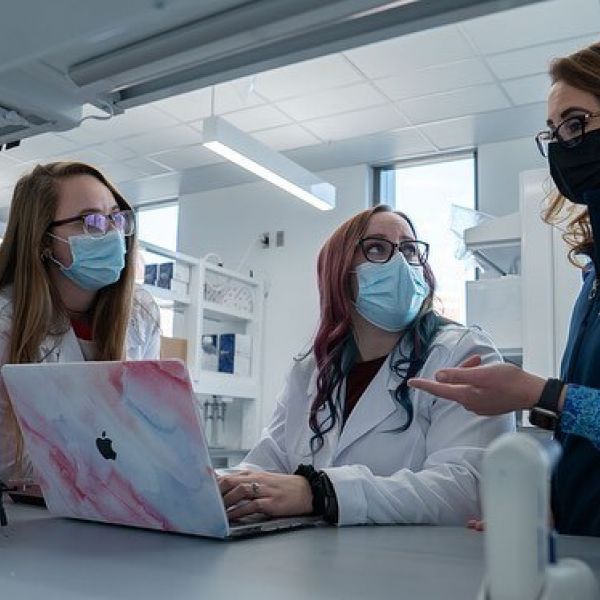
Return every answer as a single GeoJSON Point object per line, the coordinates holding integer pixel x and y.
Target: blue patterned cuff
{"type": "Point", "coordinates": [581, 413]}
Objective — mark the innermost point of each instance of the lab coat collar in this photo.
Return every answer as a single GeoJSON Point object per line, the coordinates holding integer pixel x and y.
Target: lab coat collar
{"type": "Point", "coordinates": [374, 406]}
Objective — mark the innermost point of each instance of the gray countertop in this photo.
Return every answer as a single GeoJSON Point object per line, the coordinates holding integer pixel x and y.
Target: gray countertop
{"type": "Point", "coordinates": [43, 557]}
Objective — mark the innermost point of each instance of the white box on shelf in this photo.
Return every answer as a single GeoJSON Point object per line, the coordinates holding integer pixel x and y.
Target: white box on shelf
{"type": "Point", "coordinates": [495, 306]}
{"type": "Point", "coordinates": [181, 272]}
{"type": "Point", "coordinates": [179, 287]}
{"type": "Point", "coordinates": [209, 357]}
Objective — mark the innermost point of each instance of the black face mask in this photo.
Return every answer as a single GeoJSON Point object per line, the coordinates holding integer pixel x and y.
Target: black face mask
{"type": "Point", "coordinates": [576, 171]}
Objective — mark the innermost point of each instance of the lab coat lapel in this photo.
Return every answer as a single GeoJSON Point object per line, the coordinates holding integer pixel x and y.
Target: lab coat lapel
{"type": "Point", "coordinates": [65, 348]}
{"type": "Point", "coordinates": [375, 405]}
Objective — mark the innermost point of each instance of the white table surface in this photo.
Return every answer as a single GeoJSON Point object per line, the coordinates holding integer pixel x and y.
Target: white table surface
{"type": "Point", "coordinates": [50, 559]}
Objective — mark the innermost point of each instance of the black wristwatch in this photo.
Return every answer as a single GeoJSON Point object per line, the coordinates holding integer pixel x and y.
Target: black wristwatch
{"type": "Point", "coordinates": [545, 413]}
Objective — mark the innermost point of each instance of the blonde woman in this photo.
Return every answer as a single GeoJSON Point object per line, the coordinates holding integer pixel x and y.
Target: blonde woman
{"type": "Point", "coordinates": [67, 289]}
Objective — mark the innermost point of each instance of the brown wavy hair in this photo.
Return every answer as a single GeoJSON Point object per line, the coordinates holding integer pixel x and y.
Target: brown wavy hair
{"type": "Point", "coordinates": [580, 70]}
{"type": "Point", "coordinates": [37, 309]}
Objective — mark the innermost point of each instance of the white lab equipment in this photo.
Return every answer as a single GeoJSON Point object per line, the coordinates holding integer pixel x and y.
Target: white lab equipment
{"type": "Point", "coordinates": [516, 493]}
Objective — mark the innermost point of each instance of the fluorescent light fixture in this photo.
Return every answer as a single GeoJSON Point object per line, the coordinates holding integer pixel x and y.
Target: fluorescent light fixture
{"type": "Point", "coordinates": [243, 150]}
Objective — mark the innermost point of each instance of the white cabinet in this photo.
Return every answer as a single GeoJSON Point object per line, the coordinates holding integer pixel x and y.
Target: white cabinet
{"type": "Point", "coordinates": [494, 301]}
{"type": "Point", "coordinates": [526, 310]}
{"type": "Point", "coordinates": [215, 301]}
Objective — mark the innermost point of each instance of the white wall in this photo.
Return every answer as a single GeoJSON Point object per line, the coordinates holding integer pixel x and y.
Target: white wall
{"type": "Point", "coordinates": [498, 169]}
{"type": "Point", "coordinates": [229, 221]}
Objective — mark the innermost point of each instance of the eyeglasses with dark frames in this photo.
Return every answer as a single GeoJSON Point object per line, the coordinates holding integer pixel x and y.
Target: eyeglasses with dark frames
{"type": "Point", "coordinates": [380, 250]}
{"type": "Point", "coordinates": [98, 225]}
{"type": "Point", "coordinates": [569, 133]}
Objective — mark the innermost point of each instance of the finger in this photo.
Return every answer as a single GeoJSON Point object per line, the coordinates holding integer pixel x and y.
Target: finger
{"type": "Point", "coordinates": [472, 361]}
{"type": "Point", "coordinates": [260, 506]}
{"type": "Point", "coordinates": [240, 492]}
{"type": "Point", "coordinates": [468, 376]}
{"type": "Point", "coordinates": [228, 482]}
{"type": "Point", "coordinates": [448, 391]}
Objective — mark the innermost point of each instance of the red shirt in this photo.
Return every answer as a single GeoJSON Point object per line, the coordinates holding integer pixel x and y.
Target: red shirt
{"type": "Point", "coordinates": [82, 329]}
{"type": "Point", "coordinates": [359, 378]}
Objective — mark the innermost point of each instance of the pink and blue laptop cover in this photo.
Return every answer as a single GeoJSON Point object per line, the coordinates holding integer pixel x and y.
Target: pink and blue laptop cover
{"type": "Point", "coordinates": [118, 442]}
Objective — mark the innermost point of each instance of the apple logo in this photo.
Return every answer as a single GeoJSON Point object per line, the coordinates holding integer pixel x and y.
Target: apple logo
{"type": "Point", "coordinates": [105, 448]}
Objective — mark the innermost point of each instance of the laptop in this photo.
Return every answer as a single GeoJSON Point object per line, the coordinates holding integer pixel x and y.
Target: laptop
{"type": "Point", "coordinates": [123, 443]}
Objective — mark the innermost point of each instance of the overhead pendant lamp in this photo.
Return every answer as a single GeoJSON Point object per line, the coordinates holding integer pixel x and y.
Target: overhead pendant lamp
{"type": "Point", "coordinates": [242, 149]}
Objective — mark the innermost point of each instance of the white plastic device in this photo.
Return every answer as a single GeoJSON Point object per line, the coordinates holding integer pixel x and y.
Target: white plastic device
{"type": "Point", "coordinates": [516, 493]}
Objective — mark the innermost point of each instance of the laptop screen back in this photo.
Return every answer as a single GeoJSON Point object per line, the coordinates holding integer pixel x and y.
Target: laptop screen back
{"type": "Point", "coordinates": [118, 442]}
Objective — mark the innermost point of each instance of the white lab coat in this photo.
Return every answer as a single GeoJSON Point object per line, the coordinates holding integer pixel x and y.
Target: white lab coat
{"type": "Point", "coordinates": [143, 342]}
{"type": "Point", "coordinates": [426, 474]}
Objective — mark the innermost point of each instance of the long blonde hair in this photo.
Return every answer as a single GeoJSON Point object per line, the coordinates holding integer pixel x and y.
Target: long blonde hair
{"type": "Point", "coordinates": [580, 70]}
{"type": "Point", "coordinates": [37, 309]}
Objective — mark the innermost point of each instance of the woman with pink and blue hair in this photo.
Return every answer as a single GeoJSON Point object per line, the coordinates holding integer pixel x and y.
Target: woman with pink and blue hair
{"type": "Point", "coordinates": [349, 440]}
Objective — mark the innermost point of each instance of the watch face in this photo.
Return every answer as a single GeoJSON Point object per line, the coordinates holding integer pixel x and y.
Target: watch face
{"type": "Point", "coordinates": [544, 419]}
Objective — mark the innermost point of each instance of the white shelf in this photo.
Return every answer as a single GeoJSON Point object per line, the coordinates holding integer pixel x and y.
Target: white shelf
{"type": "Point", "coordinates": [176, 256]}
{"type": "Point", "coordinates": [498, 232]}
{"type": "Point", "coordinates": [219, 312]}
{"type": "Point", "coordinates": [229, 273]}
{"type": "Point", "coordinates": [166, 295]}
{"type": "Point", "coordinates": [226, 384]}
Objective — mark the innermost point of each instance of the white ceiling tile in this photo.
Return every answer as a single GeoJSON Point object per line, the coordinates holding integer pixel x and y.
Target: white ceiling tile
{"type": "Point", "coordinates": [457, 103]}
{"type": "Point", "coordinates": [85, 155]}
{"type": "Point", "coordinates": [306, 77]}
{"type": "Point", "coordinates": [411, 52]}
{"type": "Point", "coordinates": [186, 107]}
{"type": "Point", "coordinates": [451, 133]}
{"type": "Point", "coordinates": [357, 123]}
{"type": "Point", "coordinates": [483, 128]}
{"type": "Point", "coordinates": [186, 158]}
{"type": "Point", "coordinates": [527, 90]}
{"type": "Point", "coordinates": [114, 150]}
{"type": "Point", "coordinates": [236, 95]}
{"type": "Point", "coordinates": [117, 172]}
{"type": "Point", "coordinates": [40, 147]}
{"type": "Point", "coordinates": [534, 60]}
{"type": "Point", "coordinates": [135, 121]}
{"type": "Point", "coordinates": [287, 137]}
{"type": "Point", "coordinates": [146, 166]}
{"type": "Point", "coordinates": [534, 24]}
{"type": "Point", "coordinates": [10, 175]}
{"type": "Point", "coordinates": [166, 139]}
{"type": "Point", "coordinates": [334, 101]}
{"type": "Point", "coordinates": [6, 161]}
{"type": "Point", "coordinates": [257, 118]}
{"type": "Point", "coordinates": [436, 79]}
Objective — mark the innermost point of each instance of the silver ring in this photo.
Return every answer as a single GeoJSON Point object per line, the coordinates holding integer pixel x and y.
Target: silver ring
{"type": "Point", "coordinates": [255, 489]}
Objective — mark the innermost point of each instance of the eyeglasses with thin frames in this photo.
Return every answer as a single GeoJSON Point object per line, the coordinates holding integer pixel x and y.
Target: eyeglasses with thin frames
{"type": "Point", "coordinates": [380, 250]}
{"type": "Point", "coordinates": [98, 225]}
{"type": "Point", "coordinates": [569, 133]}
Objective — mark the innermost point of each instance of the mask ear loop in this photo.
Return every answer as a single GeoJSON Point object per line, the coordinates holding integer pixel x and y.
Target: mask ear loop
{"type": "Point", "coordinates": [46, 254]}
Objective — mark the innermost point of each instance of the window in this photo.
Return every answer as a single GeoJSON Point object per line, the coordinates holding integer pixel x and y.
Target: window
{"type": "Point", "coordinates": [426, 192]}
{"type": "Point", "coordinates": [157, 224]}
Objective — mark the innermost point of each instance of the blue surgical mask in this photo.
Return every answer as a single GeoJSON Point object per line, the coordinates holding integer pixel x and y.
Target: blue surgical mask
{"type": "Point", "coordinates": [97, 261]}
{"type": "Point", "coordinates": [390, 294]}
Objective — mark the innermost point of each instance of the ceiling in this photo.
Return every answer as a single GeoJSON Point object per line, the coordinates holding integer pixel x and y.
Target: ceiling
{"type": "Point", "coordinates": [452, 87]}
